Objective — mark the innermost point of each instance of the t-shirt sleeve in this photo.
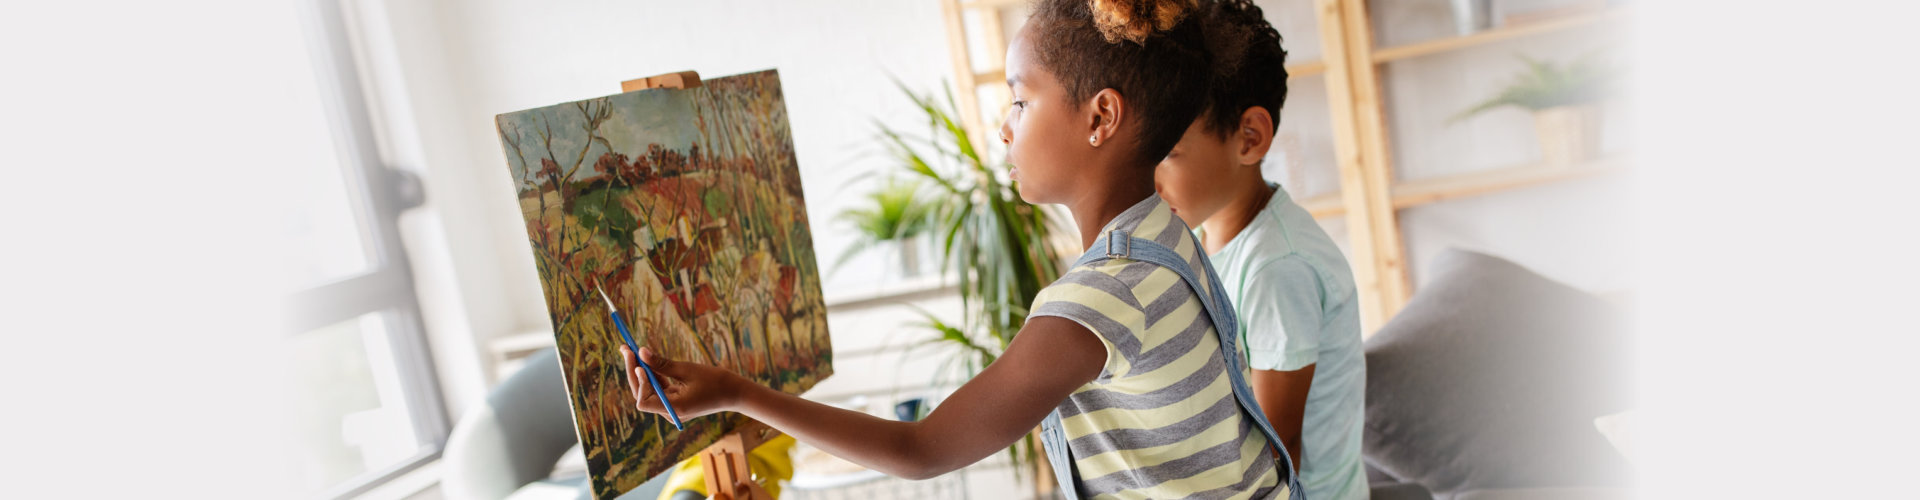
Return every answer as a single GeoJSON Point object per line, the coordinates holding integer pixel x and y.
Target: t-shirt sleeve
{"type": "Point", "coordinates": [1101, 303]}
{"type": "Point", "coordinates": [1280, 309]}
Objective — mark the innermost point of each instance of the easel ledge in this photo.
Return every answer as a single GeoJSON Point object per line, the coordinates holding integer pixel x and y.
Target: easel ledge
{"type": "Point", "coordinates": [724, 462]}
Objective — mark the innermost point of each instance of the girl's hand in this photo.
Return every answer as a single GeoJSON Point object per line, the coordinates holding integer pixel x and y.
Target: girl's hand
{"type": "Point", "coordinates": [694, 389]}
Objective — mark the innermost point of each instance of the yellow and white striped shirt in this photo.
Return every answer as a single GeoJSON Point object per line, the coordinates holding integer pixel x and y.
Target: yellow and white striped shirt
{"type": "Point", "coordinates": [1161, 420]}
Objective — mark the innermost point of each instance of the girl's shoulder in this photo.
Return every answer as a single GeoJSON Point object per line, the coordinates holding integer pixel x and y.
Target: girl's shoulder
{"type": "Point", "coordinates": [1122, 279]}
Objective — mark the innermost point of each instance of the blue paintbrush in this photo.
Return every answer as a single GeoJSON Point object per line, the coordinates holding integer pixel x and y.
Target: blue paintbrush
{"type": "Point", "coordinates": [651, 378]}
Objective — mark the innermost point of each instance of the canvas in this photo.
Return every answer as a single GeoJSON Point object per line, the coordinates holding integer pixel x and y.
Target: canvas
{"type": "Point", "coordinates": [685, 204]}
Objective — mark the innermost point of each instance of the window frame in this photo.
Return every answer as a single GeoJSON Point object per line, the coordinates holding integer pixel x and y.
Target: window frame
{"type": "Point", "coordinates": [379, 196]}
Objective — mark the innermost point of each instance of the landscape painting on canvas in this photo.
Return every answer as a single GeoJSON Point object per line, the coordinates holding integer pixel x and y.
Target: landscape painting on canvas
{"type": "Point", "coordinates": [685, 204]}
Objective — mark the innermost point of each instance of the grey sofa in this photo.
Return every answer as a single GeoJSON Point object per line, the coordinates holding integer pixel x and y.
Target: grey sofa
{"type": "Point", "coordinates": [506, 447]}
{"type": "Point", "coordinates": [1487, 384]}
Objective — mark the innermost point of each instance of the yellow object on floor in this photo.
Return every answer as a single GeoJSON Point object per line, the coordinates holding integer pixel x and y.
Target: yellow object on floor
{"type": "Point", "coordinates": [771, 463]}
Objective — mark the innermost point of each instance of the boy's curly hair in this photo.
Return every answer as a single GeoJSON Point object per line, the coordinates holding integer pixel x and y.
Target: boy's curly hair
{"type": "Point", "coordinates": [1250, 67]}
{"type": "Point", "coordinates": [1153, 52]}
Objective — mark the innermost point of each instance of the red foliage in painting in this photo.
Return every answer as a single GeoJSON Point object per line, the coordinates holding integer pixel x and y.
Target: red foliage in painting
{"type": "Point", "coordinates": [783, 294]}
{"type": "Point", "coordinates": [703, 300]}
{"type": "Point", "coordinates": [611, 164]}
{"type": "Point", "coordinates": [548, 168]}
{"type": "Point", "coordinates": [679, 304]}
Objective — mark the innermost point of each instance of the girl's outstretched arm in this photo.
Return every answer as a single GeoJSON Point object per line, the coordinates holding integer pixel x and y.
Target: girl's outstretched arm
{"type": "Point", "coordinates": [1048, 359]}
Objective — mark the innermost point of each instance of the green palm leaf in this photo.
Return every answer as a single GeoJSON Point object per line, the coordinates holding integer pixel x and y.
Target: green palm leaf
{"type": "Point", "coordinates": [991, 242]}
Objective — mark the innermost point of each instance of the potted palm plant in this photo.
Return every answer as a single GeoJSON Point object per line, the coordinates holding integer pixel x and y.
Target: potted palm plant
{"type": "Point", "coordinates": [895, 215]}
{"type": "Point", "coordinates": [1563, 100]}
{"type": "Point", "coordinates": [995, 245]}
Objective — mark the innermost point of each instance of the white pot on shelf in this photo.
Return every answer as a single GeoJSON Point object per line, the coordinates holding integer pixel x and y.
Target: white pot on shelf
{"type": "Point", "coordinates": [909, 249]}
{"type": "Point", "coordinates": [1473, 16]}
{"type": "Point", "coordinates": [1569, 135]}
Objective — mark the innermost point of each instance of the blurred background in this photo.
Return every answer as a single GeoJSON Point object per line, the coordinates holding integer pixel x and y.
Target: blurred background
{"type": "Point", "coordinates": [272, 250]}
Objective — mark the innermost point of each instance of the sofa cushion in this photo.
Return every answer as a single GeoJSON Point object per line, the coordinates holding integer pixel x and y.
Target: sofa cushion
{"type": "Point", "coordinates": [1491, 377]}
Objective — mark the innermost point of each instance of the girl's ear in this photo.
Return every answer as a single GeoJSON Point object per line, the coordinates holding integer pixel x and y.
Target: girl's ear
{"type": "Point", "coordinates": [1254, 136]}
{"type": "Point", "coordinates": [1106, 109]}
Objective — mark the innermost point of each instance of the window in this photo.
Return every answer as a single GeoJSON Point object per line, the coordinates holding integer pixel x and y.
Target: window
{"type": "Point", "coordinates": [370, 408]}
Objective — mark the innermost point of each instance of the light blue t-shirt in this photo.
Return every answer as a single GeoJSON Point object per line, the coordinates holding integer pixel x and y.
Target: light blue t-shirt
{"type": "Point", "coordinates": [1295, 296]}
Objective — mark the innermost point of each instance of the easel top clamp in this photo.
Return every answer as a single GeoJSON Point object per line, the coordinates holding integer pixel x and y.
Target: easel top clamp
{"type": "Point", "coordinates": [725, 461]}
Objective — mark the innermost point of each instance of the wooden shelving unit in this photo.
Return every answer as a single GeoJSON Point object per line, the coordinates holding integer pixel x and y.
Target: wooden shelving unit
{"type": "Point", "coordinates": [1507, 32]}
{"type": "Point", "coordinates": [1412, 193]}
{"type": "Point", "coordinates": [1369, 197]}
{"type": "Point", "coordinates": [1419, 192]}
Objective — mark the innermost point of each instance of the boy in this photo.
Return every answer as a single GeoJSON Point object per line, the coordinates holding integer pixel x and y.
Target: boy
{"type": "Point", "coordinates": [1288, 282]}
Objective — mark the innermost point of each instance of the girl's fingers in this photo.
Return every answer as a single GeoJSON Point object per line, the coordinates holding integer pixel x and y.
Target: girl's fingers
{"type": "Point", "coordinates": [627, 356]}
{"type": "Point", "coordinates": [634, 381]}
{"type": "Point", "coordinates": [672, 376]}
{"type": "Point", "coordinates": [672, 394]}
{"type": "Point", "coordinates": [640, 388]}
{"type": "Point", "coordinates": [660, 364]}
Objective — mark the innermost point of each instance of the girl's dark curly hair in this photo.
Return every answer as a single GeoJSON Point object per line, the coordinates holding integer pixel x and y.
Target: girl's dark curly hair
{"type": "Point", "coordinates": [1153, 52]}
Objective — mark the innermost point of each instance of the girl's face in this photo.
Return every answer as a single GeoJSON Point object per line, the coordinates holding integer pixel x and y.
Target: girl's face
{"type": "Point", "coordinates": [1046, 137]}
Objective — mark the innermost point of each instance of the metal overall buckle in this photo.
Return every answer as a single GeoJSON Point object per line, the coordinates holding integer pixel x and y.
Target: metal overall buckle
{"type": "Point", "coordinates": [1121, 238]}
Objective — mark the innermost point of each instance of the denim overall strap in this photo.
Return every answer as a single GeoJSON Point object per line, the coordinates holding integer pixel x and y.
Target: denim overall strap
{"type": "Point", "coordinates": [1053, 440]}
{"type": "Point", "coordinates": [1119, 244]}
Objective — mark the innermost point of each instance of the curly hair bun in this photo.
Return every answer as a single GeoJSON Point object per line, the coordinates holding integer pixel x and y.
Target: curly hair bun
{"type": "Point", "coordinates": [1135, 20]}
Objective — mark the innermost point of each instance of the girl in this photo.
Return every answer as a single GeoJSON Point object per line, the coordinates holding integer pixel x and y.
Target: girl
{"type": "Point", "coordinates": [1141, 396]}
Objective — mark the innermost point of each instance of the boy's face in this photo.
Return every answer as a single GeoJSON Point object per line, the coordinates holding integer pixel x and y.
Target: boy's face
{"type": "Point", "coordinates": [1042, 130]}
{"type": "Point", "coordinates": [1198, 177]}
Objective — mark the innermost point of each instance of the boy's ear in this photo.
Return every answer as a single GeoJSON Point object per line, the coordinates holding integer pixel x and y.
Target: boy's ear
{"type": "Point", "coordinates": [1254, 136]}
{"type": "Point", "coordinates": [1106, 110]}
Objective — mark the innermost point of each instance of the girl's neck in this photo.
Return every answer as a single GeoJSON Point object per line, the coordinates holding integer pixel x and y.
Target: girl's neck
{"type": "Point", "coordinates": [1224, 225]}
{"type": "Point", "coordinates": [1097, 209]}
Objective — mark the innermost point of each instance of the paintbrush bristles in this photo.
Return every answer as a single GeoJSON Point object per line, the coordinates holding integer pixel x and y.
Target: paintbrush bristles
{"type": "Point", "coordinates": [603, 296]}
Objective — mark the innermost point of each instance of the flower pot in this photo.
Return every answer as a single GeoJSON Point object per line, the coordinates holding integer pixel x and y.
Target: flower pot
{"type": "Point", "coordinates": [1568, 135]}
{"type": "Point", "coordinates": [909, 248]}
{"type": "Point", "coordinates": [1473, 16]}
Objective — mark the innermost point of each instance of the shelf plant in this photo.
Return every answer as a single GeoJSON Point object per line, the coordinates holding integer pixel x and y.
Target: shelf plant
{"type": "Point", "coordinates": [1563, 101]}
{"type": "Point", "coordinates": [893, 215]}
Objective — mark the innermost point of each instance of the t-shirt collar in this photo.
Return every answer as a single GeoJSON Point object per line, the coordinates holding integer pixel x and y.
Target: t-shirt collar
{"type": "Point", "coordinates": [1272, 209]}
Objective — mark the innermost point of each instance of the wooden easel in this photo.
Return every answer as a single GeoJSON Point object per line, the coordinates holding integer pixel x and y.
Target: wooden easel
{"type": "Point", "coordinates": [680, 80]}
{"type": "Point", "coordinates": [725, 462]}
